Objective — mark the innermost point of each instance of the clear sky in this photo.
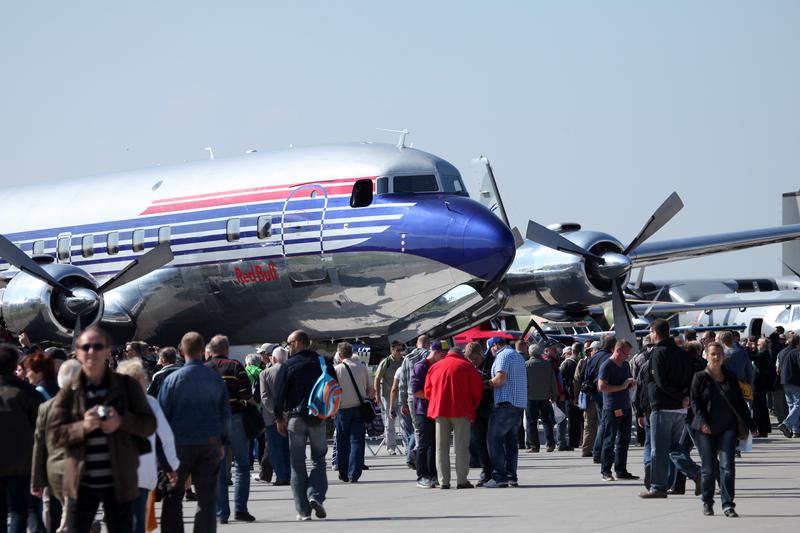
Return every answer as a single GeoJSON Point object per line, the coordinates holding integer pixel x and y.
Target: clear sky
{"type": "Point", "coordinates": [589, 111]}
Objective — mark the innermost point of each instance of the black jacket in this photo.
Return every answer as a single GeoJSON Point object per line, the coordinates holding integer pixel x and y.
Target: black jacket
{"type": "Point", "coordinates": [789, 361]}
{"type": "Point", "coordinates": [294, 382]}
{"type": "Point", "coordinates": [702, 392]}
{"type": "Point", "coordinates": [670, 376]}
{"type": "Point", "coordinates": [19, 407]}
{"type": "Point", "coordinates": [764, 375]}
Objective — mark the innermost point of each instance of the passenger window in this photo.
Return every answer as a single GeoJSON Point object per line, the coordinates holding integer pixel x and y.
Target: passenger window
{"type": "Point", "coordinates": [264, 226]}
{"type": "Point", "coordinates": [137, 240]}
{"type": "Point", "coordinates": [112, 243]}
{"type": "Point", "coordinates": [422, 183]}
{"type": "Point", "coordinates": [63, 248]}
{"type": "Point", "coordinates": [163, 235]}
{"type": "Point", "coordinates": [87, 245]}
{"type": "Point", "coordinates": [232, 229]}
{"type": "Point", "coordinates": [38, 247]}
{"type": "Point", "coordinates": [382, 186]}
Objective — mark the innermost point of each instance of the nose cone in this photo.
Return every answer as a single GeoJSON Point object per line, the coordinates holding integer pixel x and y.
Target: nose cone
{"type": "Point", "coordinates": [615, 265]}
{"type": "Point", "coordinates": [488, 246]}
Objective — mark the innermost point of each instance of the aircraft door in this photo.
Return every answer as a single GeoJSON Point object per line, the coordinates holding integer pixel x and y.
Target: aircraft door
{"type": "Point", "coordinates": [302, 234]}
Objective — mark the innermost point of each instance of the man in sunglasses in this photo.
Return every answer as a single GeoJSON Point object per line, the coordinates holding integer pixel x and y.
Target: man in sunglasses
{"type": "Point", "coordinates": [103, 421]}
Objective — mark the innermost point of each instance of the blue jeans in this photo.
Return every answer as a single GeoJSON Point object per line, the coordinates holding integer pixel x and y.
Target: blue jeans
{"type": "Point", "coordinates": [665, 434]}
{"type": "Point", "coordinates": [616, 432]}
{"type": "Point", "coordinates": [561, 427]}
{"type": "Point", "coordinates": [140, 511]}
{"type": "Point", "coordinates": [303, 430]}
{"type": "Point", "coordinates": [647, 453]}
{"type": "Point", "coordinates": [792, 393]}
{"type": "Point", "coordinates": [278, 447]}
{"type": "Point", "coordinates": [539, 409]}
{"type": "Point", "coordinates": [502, 439]}
{"type": "Point", "coordinates": [407, 427]}
{"type": "Point", "coordinates": [350, 443]}
{"type": "Point", "coordinates": [426, 448]}
{"type": "Point", "coordinates": [14, 492]}
{"type": "Point", "coordinates": [241, 483]}
{"type": "Point", "coordinates": [680, 455]}
{"type": "Point", "coordinates": [717, 454]}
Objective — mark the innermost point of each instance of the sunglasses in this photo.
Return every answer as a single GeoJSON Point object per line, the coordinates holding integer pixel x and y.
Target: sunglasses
{"type": "Point", "coordinates": [96, 346]}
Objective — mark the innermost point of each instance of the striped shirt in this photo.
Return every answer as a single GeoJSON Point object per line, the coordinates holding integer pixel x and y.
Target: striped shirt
{"type": "Point", "coordinates": [515, 389]}
{"type": "Point", "coordinates": [97, 473]}
{"type": "Point", "coordinates": [235, 378]}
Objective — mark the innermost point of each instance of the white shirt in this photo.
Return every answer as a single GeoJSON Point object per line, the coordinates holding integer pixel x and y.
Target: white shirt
{"type": "Point", "coordinates": [148, 471]}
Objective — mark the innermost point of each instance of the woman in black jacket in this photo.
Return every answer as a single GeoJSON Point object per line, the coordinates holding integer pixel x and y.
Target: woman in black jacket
{"type": "Point", "coordinates": [716, 419]}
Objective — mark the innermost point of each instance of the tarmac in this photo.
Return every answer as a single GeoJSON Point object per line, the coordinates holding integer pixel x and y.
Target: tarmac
{"type": "Point", "coordinates": [558, 491]}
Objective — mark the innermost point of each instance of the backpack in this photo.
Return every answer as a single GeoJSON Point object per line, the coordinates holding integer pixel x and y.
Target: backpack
{"type": "Point", "coordinates": [326, 395]}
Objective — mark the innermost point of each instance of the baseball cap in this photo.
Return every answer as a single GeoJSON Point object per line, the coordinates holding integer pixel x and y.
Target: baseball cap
{"type": "Point", "coordinates": [595, 345]}
{"type": "Point", "coordinates": [436, 346]}
{"type": "Point", "coordinates": [267, 348]}
{"type": "Point", "coordinates": [494, 340]}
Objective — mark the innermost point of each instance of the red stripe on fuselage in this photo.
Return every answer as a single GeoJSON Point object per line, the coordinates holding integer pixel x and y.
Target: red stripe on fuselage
{"type": "Point", "coordinates": [332, 187]}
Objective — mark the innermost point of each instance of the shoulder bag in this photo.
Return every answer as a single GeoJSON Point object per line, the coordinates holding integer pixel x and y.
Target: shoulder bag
{"type": "Point", "coordinates": [366, 408]}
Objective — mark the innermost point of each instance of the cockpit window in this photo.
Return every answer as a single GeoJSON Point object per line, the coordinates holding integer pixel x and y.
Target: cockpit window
{"type": "Point", "coordinates": [453, 184]}
{"type": "Point", "coordinates": [421, 183]}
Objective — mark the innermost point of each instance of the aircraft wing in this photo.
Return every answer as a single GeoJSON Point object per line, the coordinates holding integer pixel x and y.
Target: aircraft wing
{"type": "Point", "coordinates": [676, 249]}
{"type": "Point", "coordinates": [722, 301]}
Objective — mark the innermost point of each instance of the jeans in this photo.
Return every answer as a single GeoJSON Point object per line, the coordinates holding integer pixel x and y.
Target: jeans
{"type": "Point", "coordinates": [407, 427]}
{"type": "Point", "coordinates": [306, 430]}
{"type": "Point", "coordinates": [389, 424]}
{"type": "Point", "coordinates": [597, 445]}
{"type": "Point", "coordinates": [203, 464]}
{"type": "Point", "coordinates": [118, 515]}
{"type": "Point", "coordinates": [278, 448]}
{"type": "Point", "coordinates": [665, 434]}
{"type": "Point", "coordinates": [14, 492]}
{"type": "Point", "coordinates": [461, 433]}
{"type": "Point", "coordinates": [717, 454]}
{"type": "Point", "coordinates": [647, 449]}
{"type": "Point", "coordinates": [792, 420]}
{"type": "Point", "coordinates": [539, 409]}
{"type": "Point", "coordinates": [561, 427]}
{"type": "Point", "coordinates": [240, 446]}
{"type": "Point", "coordinates": [502, 440]}
{"type": "Point", "coordinates": [479, 434]}
{"type": "Point", "coordinates": [140, 511]}
{"type": "Point", "coordinates": [616, 439]}
{"type": "Point", "coordinates": [680, 454]}
{"type": "Point", "coordinates": [350, 443]}
{"type": "Point", "coordinates": [426, 448]}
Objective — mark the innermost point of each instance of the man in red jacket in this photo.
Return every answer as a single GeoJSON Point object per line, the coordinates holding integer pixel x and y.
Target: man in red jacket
{"type": "Point", "coordinates": [453, 388]}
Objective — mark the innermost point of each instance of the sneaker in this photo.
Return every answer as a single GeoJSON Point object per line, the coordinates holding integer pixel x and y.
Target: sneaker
{"type": "Point", "coordinates": [190, 496]}
{"type": "Point", "coordinates": [434, 483]}
{"type": "Point", "coordinates": [786, 431]}
{"type": "Point", "coordinates": [551, 449]}
{"type": "Point", "coordinates": [648, 495]}
{"type": "Point", "coordinates": [565, 448]}
{"type": "Point", "coordinates": [626, 475]}
{"type": "Point", "coordinates": [392, 452]}
{"type": "Point", "coordinates": [708, 510]}
{"type": "Point", "coordinates": [445, 486]}
{"type": "Point", "coordinates": [481, 482]}
{"type": "Point", "coordinates": [513, 484]}
{"type": "Point", "coordinates": [466, 485]}
{"type": "Point", "coordinates": [319, 510]}
{"type": "Point", "coordinates": [730, 513]}
{"type": "Point", "coordinates": [424, 484]}
{"type": "Point", "coordinates": [244, 516]}
{"type": "Point", "coordinates": [257, 477]}
{"type": "Point", "coordinates": [280, 483]}
{"type": "Point", "coordinates": [223, 521]}
{"type": "Point", "coordinates": [535, 449]}
{"type": "Point", "coordinates": [607, 476]}
{"type": "Point", "coordinates": [303, 517]}
{"type": "Point", "coordinates": [344, 479]}
{"type": "Point", "coordinates": [492, 484]}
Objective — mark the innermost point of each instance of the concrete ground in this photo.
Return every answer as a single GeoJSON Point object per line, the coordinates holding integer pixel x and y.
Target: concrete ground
{"type": "Point", "coordinates": [558, 491]}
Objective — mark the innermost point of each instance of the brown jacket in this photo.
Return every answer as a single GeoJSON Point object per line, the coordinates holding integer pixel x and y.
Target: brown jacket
{"type": "Point", "coordinates": [136, 421]}
{"type": "Point", "coordinates": [48, 459]}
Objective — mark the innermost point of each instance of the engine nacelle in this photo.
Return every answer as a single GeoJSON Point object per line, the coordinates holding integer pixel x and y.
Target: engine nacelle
{"type": "Point", "coordinates": [45, 313]}
{"type": "Point", "coordinates": [542, 277]}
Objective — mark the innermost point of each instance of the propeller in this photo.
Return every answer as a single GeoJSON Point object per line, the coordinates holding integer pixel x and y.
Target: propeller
{"type": "Point", "coordinates": [80, 301]}
{"type": "Point", "coordinates": [611, 266]}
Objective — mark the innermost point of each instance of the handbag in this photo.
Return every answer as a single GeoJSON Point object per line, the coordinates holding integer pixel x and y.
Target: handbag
{"type": "Point", "coordinates": [558, 414]}
{"type": "Point", "coordinates": [367, 409]}
{"type": "Point", "coordinates": [253, 421]}
{"type": "Point", "coordinates": [742, 432]}
{"type": "Point", "coordinates": [583, 401]}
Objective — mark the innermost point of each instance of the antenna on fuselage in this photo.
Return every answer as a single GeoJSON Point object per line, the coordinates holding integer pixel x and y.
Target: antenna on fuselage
{"type": "Point", "coordinates": [210, 152]}
{"type": "Point", "coordinates": [401, 142]}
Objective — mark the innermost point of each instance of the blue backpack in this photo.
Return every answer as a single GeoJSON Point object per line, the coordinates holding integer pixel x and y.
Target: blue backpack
{"type": "Point", "coordinates": [326, 395]}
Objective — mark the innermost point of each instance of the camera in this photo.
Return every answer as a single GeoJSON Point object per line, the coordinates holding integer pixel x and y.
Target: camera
{"type": "Point", "coordinates": [103, 412]}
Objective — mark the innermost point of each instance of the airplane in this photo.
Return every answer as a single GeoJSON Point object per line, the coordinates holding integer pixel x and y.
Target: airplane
{"type": "Point", "coordinates": [341, 241]}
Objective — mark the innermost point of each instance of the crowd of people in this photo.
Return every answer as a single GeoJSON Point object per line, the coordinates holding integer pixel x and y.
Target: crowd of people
{"type": "Point", "coordinates": [125, 430]}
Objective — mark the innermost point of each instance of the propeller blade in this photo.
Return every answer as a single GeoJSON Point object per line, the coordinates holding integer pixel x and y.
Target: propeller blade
{"type": "Point", "coordinates": [623, 327]}
{"type": "Point", "coordinates": [547, 237]}
{"type": "Point", "coordinates": [662, 215]}
{"type": "Point", "coordinates": [76, 332]}
{"type": "Point", "coordinates": [790, 268]}
{"type": "Point", "coordinates": [518, 240]}
{"type": "Point", "coordinates": [152, 260]}
{"type": "Point", "coordinates": [11, 253]}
